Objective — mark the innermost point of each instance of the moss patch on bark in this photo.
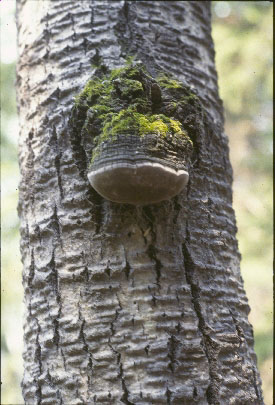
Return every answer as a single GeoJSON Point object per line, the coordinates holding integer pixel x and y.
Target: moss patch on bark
{"type": "Point", "coordinates": [130, 100]}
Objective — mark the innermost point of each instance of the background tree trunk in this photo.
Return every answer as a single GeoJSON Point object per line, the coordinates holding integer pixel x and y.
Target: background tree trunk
{"type": "Point", "coordinates": [125, 305]}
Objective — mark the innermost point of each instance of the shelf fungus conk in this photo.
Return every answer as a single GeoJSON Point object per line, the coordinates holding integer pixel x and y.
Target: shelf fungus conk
{"type": "Point", "coordinates": [133, 128]}
{"type": "Point", "coordinates": [124, 172]}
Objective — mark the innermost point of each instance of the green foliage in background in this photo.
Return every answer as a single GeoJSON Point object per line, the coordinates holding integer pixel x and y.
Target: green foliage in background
{"type": "Point", "coordinates": [242, 32]}
{"type": "Point", "coordinates": [11, 286]}
{"type": "Point", "coordinates": [11, 267]}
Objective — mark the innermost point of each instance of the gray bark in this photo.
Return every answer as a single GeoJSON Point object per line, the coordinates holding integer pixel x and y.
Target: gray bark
{"type": "Point", "coordinates": [124, 304]}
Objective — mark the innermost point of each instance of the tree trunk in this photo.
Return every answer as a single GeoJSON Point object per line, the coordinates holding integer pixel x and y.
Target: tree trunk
{"type": "Point", "coordinates": [125, 304]}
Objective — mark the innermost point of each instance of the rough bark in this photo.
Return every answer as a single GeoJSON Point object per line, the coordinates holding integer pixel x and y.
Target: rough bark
{"type": "Point", "coordinates": [125, 305]}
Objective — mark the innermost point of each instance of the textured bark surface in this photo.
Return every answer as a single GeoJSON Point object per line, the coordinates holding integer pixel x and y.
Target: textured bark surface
{"type": "Point", "coordinates": [125, 305]}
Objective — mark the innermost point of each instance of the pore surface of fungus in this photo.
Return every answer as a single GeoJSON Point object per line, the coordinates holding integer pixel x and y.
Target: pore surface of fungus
{"type": "Point", "coordinates": [133, 132]}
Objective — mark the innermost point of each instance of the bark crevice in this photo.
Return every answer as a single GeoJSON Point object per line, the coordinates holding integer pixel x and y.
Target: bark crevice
{"type": "Point", "coordinates": [211, 347]}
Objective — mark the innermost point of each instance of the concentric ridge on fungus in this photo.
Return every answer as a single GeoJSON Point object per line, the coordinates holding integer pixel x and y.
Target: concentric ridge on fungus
{"type": "Point", "coordinates": [132, 125]}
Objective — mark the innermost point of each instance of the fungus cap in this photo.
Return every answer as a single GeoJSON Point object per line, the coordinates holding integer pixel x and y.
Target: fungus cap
{"type": "Point", "coordinates": [139, 183]}
{"type": "Point", "coordinates": [137, 170]}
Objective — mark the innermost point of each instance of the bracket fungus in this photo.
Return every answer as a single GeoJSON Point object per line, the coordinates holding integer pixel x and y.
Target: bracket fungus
{"type": "Point", "coordinates": [123, 170]}
{"type": "Point", "coordinates": [132, 127]}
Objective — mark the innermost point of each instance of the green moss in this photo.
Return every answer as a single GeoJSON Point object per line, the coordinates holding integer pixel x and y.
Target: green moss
{"type": "Point", "coordinates": [189, 98]}
{"type": "Point", "coordinates": [115, 73]}
{"type": "Point", "coordinates": [100, 109]}
{"type": "Point", "coordinates": [129, 121]}
{"type": "Point", "coordinates": [120, 122]}
{"type": "Point", "coordinates": [91, 91]}
{"type": "Point", "coordinates": [130, 60]}
{"type": "Point", "coordinates": [176, 126]}
{"type": "Point", "coordinates": [165, 81]}
{"type": "Point", "coordinates": [119, 101]}
{"type": "Point", "coordinates": [131, 88]}
{"type": "Point", "coordinates": [153, 124]}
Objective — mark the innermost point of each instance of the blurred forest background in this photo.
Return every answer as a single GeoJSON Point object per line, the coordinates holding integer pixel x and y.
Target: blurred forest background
{"type": "Point", "coordinates": [242, 31]}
